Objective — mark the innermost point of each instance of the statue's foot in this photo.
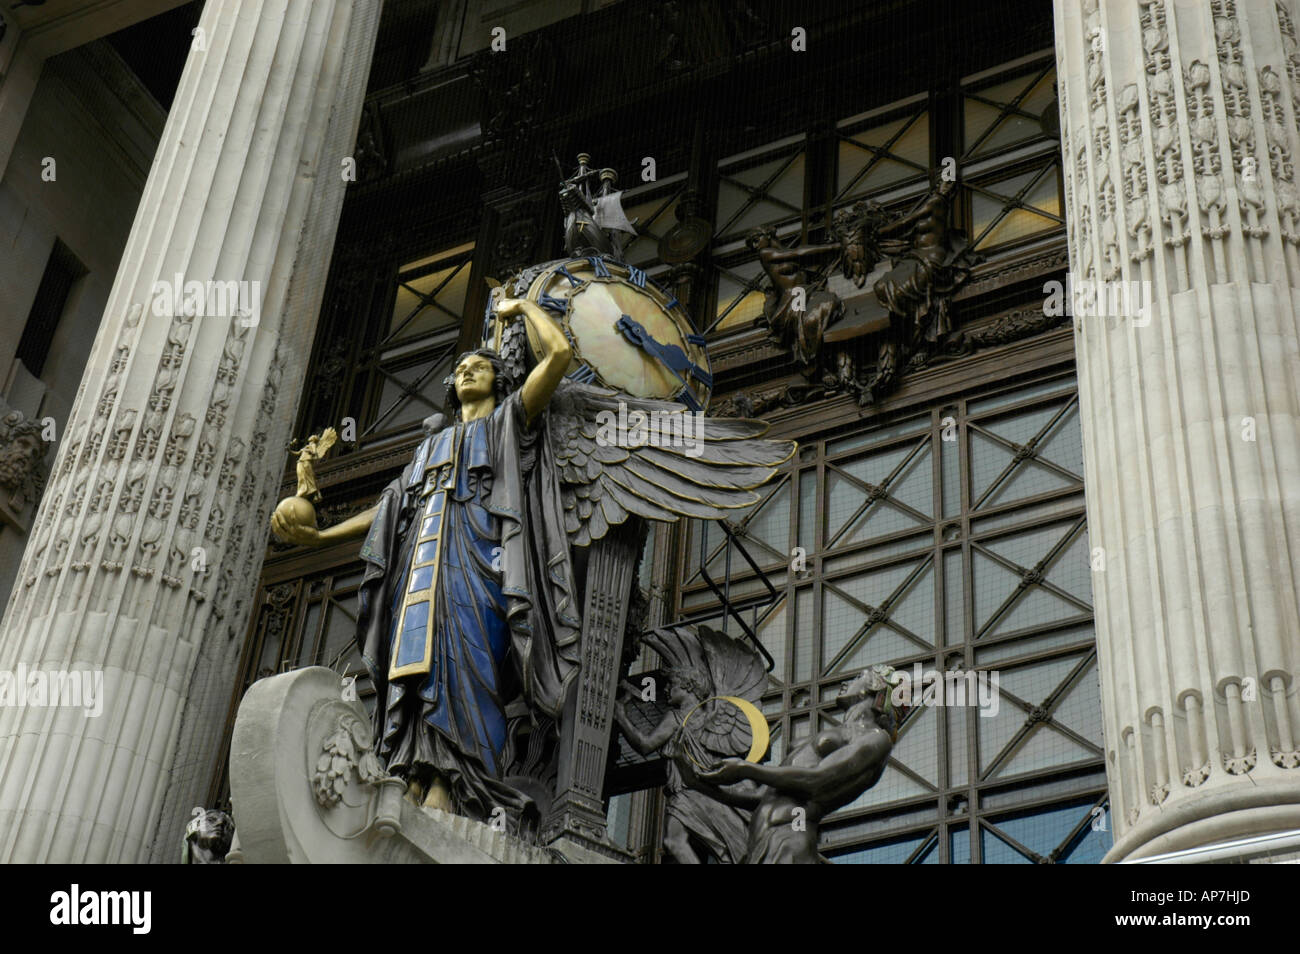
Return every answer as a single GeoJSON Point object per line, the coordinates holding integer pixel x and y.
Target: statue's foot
{"type": "Point", "coordinates": [438, 795]}
{"type": "Point", "coordinates": [415, 792]}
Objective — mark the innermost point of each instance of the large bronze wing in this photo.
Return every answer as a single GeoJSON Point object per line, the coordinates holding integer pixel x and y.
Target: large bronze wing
{"type": "Point", "coordinates": [703, 467]}
{"type": "Point", "coordinates": [732, 667]}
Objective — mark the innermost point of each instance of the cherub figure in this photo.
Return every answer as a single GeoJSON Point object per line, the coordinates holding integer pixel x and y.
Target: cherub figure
{"type": "Point", "coordinates": [796, 315]}
{"type": "Point", "coordinates": [699, 728]}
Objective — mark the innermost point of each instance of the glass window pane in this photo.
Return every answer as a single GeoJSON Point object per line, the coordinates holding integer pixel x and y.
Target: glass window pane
{"type": "Point", "coordinates": [774, 637]}
{"type": "Point", "coordinates": [741, 307]}
{"type": "Point", "coordinates": [907, 157]}
{"type": "Point", "coordinates": [762, 194]}
{"type": "Point", "coordinates": [959, 845]}
{"type": "Point", "coordinates": [887, 853]}
{"type": "Point", "coordinates": [431, 301]}
{"type": "Point", "coordinates": [804, 635]}
{"type": "Point", "coordinates": [653, 218]}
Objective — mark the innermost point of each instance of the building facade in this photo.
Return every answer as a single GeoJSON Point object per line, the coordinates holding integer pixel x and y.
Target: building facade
{"type": "Point", "coordinates": [1096, 506]}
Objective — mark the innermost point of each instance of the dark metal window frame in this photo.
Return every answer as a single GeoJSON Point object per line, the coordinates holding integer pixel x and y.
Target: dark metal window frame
{"type": "Point", "coordinates": [391, 354]}
{"type": "Point", "coordinates": [796, 707]}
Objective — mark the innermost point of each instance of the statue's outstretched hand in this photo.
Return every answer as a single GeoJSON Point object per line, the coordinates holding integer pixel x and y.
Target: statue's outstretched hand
{"type": "Point", "coordinates": [722, 773]}
{"type": "Point", "coordinates": [289, 524]}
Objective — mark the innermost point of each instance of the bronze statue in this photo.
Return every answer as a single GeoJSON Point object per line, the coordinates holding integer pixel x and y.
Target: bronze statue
{"type": "Point", "coordinates": [929, 260]}
{"type": "Point", "coordinates": [470, 601]}
{"type": "Point", "coordinates": [208, 838]}
{"type": "Point", "coordinates": [820, 775]}
{"type": "Point", "coordinates": [796, 314]}
{"type": "Point", "coordinates": [708, 672]}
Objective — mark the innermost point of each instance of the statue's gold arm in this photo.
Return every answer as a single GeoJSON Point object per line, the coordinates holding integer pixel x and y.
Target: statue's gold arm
{"type": "Point", "coordinates": [290, 526]}
{"type": "Point", "coordinates": [545, 377]}
{"type": "Point", "coordinates": [295, 522]}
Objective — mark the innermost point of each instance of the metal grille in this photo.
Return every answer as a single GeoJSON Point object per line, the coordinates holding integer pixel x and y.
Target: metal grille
{"type": "Point", "coordinates": [954, 540]}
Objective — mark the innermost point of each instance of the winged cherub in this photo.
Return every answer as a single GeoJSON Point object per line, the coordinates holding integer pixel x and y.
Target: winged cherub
{"type": "Point", "coordinates": [700, 727]}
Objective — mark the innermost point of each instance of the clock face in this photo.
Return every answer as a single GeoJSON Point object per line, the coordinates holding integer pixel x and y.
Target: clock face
{"type": "Point", "coordinates": [626, 333]}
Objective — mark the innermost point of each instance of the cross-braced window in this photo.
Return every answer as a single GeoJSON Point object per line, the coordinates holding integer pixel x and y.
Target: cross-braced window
{"type": "Point", "coordinates": [953, 540]}
{"type": "Point", "coordinates": [1010, 164]}
{"type": "Point", "coordinates": [760, 188]}
{"type": "Point", "coordinates": [652, 209]}
{"type": "Point", "coordinates": [415, 351]}
{"type": "Point", "coordinates": [883, 151]}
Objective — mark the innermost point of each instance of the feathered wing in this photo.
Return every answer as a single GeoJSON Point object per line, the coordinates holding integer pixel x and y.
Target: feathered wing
{"type": "Point", "coordinates": [690, 467]}
{"type": "Point", "coordinates": [731, 667]}
{"type": "Point", "coordinates": [328, 438]}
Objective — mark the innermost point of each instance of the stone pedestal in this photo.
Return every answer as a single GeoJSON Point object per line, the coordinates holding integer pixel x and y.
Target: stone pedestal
{"type": "Point", "coordinates": [1179, 138]}
{"type": "Point", "coordinates": [307, 788]}
{"type": "Point", "coordinates": [148, 542]}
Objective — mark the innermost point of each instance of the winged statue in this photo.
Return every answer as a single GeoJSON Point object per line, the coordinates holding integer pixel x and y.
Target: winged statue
{"type": "Point", "coordinates": [470, 601]}
{"type": "Point", "coordinates": [714, 685]}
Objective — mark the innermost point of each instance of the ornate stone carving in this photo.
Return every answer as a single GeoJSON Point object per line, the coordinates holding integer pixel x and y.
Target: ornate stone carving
{"type": "Point", "coordinates": [23, 469]}
{"type": "Point", "coordinates": [346, 755]}
{"type": "Point", "coordinates": [1195, 776]}
{"type": "Point", "coordinates": [516, 86]}
{"type": "Point", "coordinates": [516, 242]}
{"type": "Point", "coordinates": [1239, 764]}
{"type": "Point", "coordinates": [1285, 759]}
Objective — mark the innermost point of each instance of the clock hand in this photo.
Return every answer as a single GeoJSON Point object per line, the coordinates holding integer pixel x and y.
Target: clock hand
{"type": "Point", "coordinates": [670, 356]}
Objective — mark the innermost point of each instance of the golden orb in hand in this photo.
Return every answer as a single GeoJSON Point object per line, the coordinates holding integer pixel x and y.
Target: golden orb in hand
{"type": "Point", "coordinates": [296, 512]}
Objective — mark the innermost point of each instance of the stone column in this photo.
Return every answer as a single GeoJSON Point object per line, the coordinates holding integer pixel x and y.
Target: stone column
{"type": "Point", "coordinates": [149, 540]}
{"type": "Point", "coordinates": [1179, 139]}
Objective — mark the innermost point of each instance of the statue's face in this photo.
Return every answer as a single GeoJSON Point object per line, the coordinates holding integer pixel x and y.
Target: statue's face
{"type": "Point", "coordinates": [475, 379]}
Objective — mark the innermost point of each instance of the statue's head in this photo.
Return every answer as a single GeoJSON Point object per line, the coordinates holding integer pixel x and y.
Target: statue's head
{"type": "Point", "coordinates": [761, 237]}
{"type": "Point", "coordinates": [476, 375]}
{"type": "Point", "coordinates": [686, 687]}
{"type": "Point", "coordinates": [947, 187]}
{"type": "Point", "coordinates": [22, 454]}
{"type": "Point", "coordinates": [872, 692]}
{"type": "Point", "coordinates": [211, 832]}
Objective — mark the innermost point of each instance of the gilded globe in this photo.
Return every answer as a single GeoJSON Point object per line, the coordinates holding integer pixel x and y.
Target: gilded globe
{"type": "Point", "coordinates": [297, 511]}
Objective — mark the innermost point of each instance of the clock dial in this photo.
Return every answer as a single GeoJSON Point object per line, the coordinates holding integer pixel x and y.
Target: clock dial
{"type": "Point", "coordinates": [626, 333]}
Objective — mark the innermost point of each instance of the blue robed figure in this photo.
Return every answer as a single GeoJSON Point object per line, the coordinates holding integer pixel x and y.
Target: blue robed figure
{"type": "Point", "coordinates": [467, 600]}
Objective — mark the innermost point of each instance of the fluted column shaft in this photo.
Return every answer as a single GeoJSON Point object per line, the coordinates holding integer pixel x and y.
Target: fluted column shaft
{"type": "Point", "coordinates": [148, 543]}
{"type": "Point", "coordinates": [1179, 139]}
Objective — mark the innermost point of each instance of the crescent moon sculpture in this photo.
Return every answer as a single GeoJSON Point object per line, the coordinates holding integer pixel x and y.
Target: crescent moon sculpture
{"type": "Point", "coordinates": [759, 734]}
